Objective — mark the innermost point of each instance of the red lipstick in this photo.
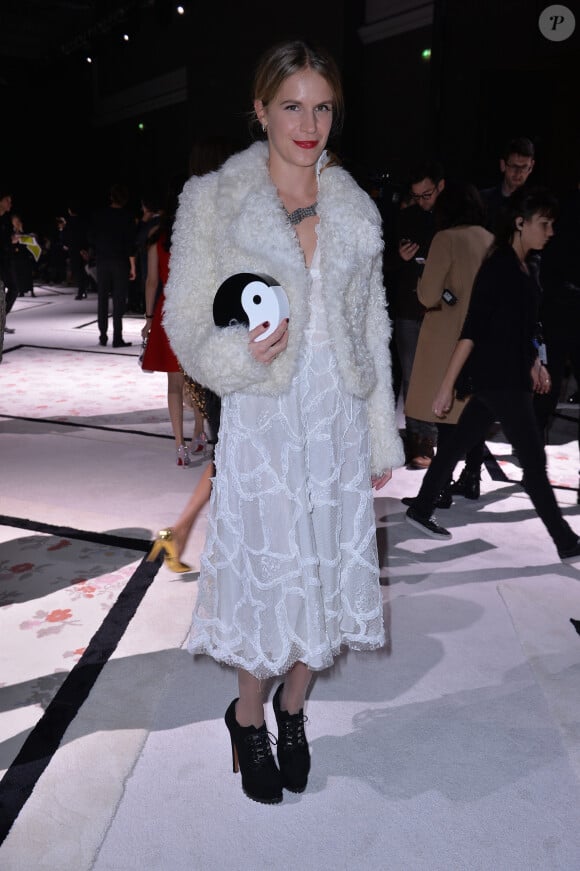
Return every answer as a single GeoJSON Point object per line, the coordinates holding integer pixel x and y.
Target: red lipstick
{"type": "Point", "coordinates": [306, 143]}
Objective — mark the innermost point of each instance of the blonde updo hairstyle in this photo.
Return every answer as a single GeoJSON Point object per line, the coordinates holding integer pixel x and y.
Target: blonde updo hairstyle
{"type": "Point", "coordinates": [284, 60]}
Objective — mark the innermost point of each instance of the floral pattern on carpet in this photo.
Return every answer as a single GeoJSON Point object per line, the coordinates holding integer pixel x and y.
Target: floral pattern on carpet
{"type": "Point", "coordinates": [563, 463]}
{"type": "Point", "coordinates": [54, 595]}
{"type": "Point", "coordinates": [101, 389]}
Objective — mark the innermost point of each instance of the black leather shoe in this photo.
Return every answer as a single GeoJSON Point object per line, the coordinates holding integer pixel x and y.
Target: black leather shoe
{"type": "Point", "coordinates": [292, 750]}
{"type": "Point", "coordinates": [467, 485]}
{"type": "Point", "coordinates": [428, 525]}
{"type": "Point", "coordinates": [103, 340]}
{"type": "Point", "coordinates": [122, 344]}
{"type": "Point", "coordinates": [252, 755]}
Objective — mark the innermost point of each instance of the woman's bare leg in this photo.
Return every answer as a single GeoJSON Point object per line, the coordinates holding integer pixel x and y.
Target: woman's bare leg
{"type": "Point", "coordinates": [250, 705]}
{"type": "Point", "coordinates": [183, 525]}
{"type": "Point", "coordinates": [294, 690]}
{"type": "Point", "coordinates": [198, 425]}
{"type": "Point", "coordinates": [175, 405]}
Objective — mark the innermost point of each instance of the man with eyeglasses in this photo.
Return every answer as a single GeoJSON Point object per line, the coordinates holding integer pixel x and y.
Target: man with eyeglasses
{"type": "Point", "coordinates": [516, 166]}
{"type": "Point", "coordinates": [404, 264]}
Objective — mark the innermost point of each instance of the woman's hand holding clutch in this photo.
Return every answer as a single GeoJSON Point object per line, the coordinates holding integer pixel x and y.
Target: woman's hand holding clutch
{"type": "Point", "coordinates": [267, 350]}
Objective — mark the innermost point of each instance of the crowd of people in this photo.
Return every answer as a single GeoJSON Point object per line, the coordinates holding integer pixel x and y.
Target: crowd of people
{"type": "Point", "coordinates": [57, 256]}
{"type": "Point", "coordinates": [65, 254]}
{"type": "Point", "coordinates": [306, 425]}
{"type": "Point", "coordinates": [444, 233]}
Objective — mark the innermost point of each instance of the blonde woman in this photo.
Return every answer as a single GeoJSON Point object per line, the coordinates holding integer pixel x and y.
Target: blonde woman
{"type": "Point", "coordinates": [289, 574]}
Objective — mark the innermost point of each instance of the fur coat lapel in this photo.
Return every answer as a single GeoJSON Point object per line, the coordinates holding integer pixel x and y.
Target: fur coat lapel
{"type": "Point", "coordinates": [253, 212]}
{"type": "Point", "coordinates": [258, 214]}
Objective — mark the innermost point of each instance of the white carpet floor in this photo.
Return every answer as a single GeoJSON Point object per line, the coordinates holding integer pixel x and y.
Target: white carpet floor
{"type": "Point", "coordinates": [455, 749]}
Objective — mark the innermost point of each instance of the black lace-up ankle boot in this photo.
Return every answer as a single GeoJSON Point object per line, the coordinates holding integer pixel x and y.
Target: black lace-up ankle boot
{"type": "Point", "coordinates": [252, 755]}
{"type": "Point", "coordinates": [292, 749]}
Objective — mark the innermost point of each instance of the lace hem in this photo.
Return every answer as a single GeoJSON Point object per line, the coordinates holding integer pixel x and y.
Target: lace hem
{"type": "Point", "coordinates": [264, 669]}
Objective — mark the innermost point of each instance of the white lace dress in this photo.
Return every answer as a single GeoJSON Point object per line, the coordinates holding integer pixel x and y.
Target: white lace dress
{"type": "Point", "coordinates": [289, 571]}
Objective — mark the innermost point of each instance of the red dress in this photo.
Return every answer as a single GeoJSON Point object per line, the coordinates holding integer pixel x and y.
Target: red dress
{"type": "Point", "coordinates": [159, 356]}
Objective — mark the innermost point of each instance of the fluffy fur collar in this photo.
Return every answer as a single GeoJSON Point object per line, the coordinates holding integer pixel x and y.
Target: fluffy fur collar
{"type": "Point", "coordinates": [233, 221]}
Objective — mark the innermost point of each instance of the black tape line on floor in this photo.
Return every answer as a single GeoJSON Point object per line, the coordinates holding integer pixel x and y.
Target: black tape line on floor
{"type": "Point", "coordinates": [140, 544]}
{"type": "Point", "coordinates": [44, 740]}
{"type": "Point", "coordinates": [112, 350]}
{"type": "Point", "coordinates": [90, 426]}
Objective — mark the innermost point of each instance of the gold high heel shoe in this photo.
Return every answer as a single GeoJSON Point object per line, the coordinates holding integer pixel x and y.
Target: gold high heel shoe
{"type": "Point", "coordinates": [165, 544]}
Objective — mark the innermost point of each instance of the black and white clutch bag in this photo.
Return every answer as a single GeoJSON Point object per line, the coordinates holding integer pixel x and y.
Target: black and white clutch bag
{"type": "Point", "coordinates": [250, 298]}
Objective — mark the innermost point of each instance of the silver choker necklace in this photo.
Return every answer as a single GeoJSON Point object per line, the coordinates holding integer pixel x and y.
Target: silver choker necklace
{"type": "Point", "coordinates": [298, 215]}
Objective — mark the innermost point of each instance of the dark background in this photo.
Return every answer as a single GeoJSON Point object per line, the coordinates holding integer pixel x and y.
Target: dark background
{"type": "Point", "coordinates": [70, 128]}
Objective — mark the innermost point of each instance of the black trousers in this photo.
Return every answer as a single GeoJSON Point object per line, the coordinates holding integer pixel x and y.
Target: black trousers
{"type": "Point", "coordinates": [23, 273]}
{"type": "Point", "coordinates": [515, 411]}
{"type": "Point", "coordinates": [473, 457]}
{"type": "Point", "coordinates": [78, 274]}
{"type": "Point", "coordinates": [10, 285]}
{"type": "Point", "coordinates": [112, 280]}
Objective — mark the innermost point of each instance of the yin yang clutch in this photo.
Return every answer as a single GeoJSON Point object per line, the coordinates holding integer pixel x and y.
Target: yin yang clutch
{"type": "Point", "coordinates": [250, 298]}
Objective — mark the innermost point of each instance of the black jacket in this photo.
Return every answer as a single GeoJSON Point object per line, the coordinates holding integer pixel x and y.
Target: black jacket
{"type": "Point", "coordinates": [112, 234]}
{"type": "Point", "coordinates": [494, 201]}
{"type": "Point", "coordinates": [502, 322]}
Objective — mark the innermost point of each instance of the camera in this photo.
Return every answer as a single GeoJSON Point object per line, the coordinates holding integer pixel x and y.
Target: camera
{"type": "Point", "coordinates": [448, 297]}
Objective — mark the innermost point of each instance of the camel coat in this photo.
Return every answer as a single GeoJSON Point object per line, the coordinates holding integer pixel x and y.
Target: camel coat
{"type": "Point", "coordinates": [453, 261]}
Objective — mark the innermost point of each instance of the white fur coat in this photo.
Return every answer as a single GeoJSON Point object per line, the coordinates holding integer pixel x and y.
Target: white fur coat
{"type": "Point", "coordinates": [233, 221]}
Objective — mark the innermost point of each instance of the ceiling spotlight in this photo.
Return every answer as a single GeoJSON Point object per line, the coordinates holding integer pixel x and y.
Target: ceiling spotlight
{"type": "Point", "coordinates": [126, 37]}
{"type": "Point", "coordinates": [89, 59]}
{"type": "Point", "coordinates": [426, 54]}
{"type": "Point", "coordinates": [180, 10]}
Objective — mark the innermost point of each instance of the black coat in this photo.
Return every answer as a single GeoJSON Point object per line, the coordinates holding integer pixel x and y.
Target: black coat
{"type": "Point", "coordinates": [502, 322]}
